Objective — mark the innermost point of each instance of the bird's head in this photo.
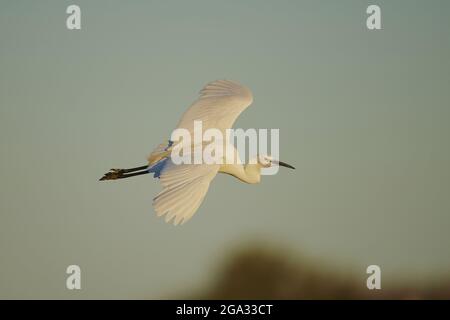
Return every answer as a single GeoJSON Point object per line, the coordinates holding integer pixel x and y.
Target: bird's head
{"type": "Point", "coordinates": [267, 161]}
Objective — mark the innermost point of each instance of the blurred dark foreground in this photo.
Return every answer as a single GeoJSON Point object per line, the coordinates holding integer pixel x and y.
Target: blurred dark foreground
{"type": "Point", "coordinates": [259, 273]}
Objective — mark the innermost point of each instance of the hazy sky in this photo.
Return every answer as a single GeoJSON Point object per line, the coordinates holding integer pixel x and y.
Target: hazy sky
{"type": "Point", "coordinates": [363, 115]}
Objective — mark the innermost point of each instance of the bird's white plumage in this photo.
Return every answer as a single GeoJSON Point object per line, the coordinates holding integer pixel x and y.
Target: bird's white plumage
{"type": "Point", "coordinates": [185, 185]}
{"type": "Point", "coordinates": [219, 105]}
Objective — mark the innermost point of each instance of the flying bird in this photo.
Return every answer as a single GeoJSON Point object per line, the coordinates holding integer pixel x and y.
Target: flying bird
{"type": "Point", "coordinates": [185, 185]}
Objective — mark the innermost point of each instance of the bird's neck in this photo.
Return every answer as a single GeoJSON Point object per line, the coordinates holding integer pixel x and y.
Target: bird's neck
{"type": "Point", "coordinates": [250, 173]}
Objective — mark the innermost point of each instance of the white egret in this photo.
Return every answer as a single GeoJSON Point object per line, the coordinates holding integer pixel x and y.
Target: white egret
{"type": "Point", "coordinates": [185, 185]}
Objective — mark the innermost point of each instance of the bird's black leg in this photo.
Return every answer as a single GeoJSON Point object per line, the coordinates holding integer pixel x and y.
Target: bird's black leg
{"type": "Point", "coordinates": [130, 170]}
{"type": "Point", "coordinates": [114, 174]}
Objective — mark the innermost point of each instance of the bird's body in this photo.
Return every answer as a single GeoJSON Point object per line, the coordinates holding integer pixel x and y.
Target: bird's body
{"type": "Point", "coordinates": [185, 185]}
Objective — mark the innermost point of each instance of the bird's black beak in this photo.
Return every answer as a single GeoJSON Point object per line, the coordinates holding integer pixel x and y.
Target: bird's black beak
{"type": "Point", "coordinates": [284, 164]}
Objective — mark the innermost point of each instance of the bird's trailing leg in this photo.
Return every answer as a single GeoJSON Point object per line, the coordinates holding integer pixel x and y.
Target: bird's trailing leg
{"type": "Point", "coordinates": [115, 174]}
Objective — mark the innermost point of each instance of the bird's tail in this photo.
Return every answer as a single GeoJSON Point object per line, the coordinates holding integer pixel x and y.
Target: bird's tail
{"type": "Point", "coordinates": [160, 152]}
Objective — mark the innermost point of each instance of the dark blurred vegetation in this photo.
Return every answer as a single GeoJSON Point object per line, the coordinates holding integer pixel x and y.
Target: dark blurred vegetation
{"type": "Point", "coordinates": [261, 273]}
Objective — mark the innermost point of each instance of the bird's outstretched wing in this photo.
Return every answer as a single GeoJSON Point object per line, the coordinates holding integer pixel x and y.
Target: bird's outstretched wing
{"type": "Point", "coordinates": [219, 105]}
{"type": "Point", "coordinates": [184, 187]}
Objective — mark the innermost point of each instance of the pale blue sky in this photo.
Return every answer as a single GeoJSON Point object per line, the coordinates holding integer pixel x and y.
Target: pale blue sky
{"type": "Point", "coordinates": [363, 115]}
